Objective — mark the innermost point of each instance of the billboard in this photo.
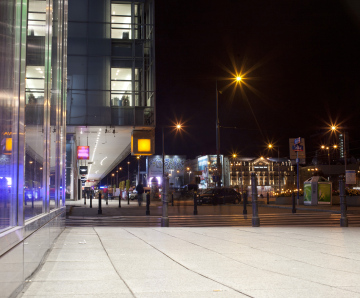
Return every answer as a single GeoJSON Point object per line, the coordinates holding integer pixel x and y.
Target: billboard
{"type": "Point", "coordinates": [83, 152]}
{"type": "Point", "coordinates": [173, 164]}
{"type": "Point", "coordinates": [324, 193]}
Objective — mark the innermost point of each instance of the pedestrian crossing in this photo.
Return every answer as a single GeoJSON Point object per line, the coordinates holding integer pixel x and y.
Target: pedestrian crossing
{"type": "Point", "coordinates": [284, 219]}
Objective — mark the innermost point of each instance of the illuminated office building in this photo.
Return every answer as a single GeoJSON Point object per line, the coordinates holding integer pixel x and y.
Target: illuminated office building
{"type": "Point", "coordinates": [111, 84]}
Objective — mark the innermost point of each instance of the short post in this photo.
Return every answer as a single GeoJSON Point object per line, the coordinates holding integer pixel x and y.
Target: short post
{"type": "Point", "coordinates": [267, 198]}
{"type": "Point", "coordinates": [32, 200]}
{"type": "Point", "coordinates": [84, 198]}
{"type": "Point", "coordinates": [107, 198]}
{"type": "Point", "coordinates": [120, 199]}
{"type": "Point", "coordinates": [255, 218]}
{"type": "Point", "coordinates": [245, 202]}
{"type": "Point", "coordinates": [293, 203]}
{"type": "Point", "coordinates": [343, 219]}
{"type": "Point", "coordinates": [172, 199]}
{"type": "Point", "coordinates": [99, 210]}
{"type": "Point", "coordinates": [195, 204]}
{"type": "Point", "coordinates": [128, 195]}
{"type": "Point", "coordinates": [165, 215]}
{"type": "Point", "coordinates": [91, 200]}
{"type": "Point", "coordinates": [147, 203]}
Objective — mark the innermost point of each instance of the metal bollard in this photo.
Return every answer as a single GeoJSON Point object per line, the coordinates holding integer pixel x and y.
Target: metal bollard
{"type": "Point", "coordinates": [147, 203]}
{"type": "Point", "coordinates": [255, 218]}
{"type": "Point", "coordinates": [120, 200]}
{"type": "Point", "coordinates": [84, 198]}
{"type": "Point", "coordinates": [172, 199]}
{"type": "Point", "coordinates": [128, 194]}
{"type": "Point", "coordinates": [195, 204]}
{"type": "Point", "coordinates": [343, 219]}
{"type": "Point", "coordinates": [107, 198]}
{"type": "Point", "coordinates": [293, 203]}
{"type": "Point", "coordinates": [245, 202]}
{"type": "Point", "coordinates": [99, 209]}
{"type": "Point", "coordinates": [90, 200]}
{"type": "Point", "coordinates": [165, 214]}
{"type": "Point", "coordinates": [267, 198]}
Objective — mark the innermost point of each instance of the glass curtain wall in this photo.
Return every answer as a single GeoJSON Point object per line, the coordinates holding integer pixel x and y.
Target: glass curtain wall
{"type": "Point", "coordinates": [132, 65]}
{"type": "Point", "coordinates": [111, 63]}
{"type": "Point", "coordinates": [32, 89]}
{"type": "Point", "coordinates": [44, 109]}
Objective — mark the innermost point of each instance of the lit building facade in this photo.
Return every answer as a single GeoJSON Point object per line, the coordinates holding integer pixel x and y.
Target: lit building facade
{"type": "Point", "coordinates": [111, 83]}
{"type": "Point", "coordinates": [271, 173]}
{"type": "Point", "coordinates": [32, 131]}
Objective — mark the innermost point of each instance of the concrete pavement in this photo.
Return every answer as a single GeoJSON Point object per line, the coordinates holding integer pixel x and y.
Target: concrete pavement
{"type": "Point", "coordinates": [201, 262]}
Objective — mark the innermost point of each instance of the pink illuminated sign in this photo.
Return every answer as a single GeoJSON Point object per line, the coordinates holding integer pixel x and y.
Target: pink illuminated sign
{"type": "Point", "coordinates": [83, 152]}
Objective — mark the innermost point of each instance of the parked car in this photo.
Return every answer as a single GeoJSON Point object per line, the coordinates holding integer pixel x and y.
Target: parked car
{"type": "Point", "coordinates": [219, 196]}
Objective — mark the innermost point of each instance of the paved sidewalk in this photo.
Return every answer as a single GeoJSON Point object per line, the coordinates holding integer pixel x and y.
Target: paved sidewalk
{"type": "Point", "coordinates": [201, 262]}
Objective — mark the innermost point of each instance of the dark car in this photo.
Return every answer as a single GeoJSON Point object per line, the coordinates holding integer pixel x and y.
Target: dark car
{"type": "Point", "coordinates": [219, 196]}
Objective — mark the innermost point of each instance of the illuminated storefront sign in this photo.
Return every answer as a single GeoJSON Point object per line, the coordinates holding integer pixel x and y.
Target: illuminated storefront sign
{"type": "Point", "coordinates": [83, 152]}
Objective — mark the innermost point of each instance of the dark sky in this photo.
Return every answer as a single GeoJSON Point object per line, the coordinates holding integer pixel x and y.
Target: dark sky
{"type": "Point", "coordinates": [301, 60]}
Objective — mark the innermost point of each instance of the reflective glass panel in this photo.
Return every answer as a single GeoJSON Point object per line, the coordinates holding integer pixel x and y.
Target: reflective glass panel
{"type": "Point", "coordinates": [34, 192]}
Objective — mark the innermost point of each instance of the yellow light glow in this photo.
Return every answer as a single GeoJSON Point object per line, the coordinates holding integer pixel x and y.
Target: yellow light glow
{"type": "Point", "coordinates": [8, 144]}
{"type": "Point", "coordinates": [234, 155]}
{"type": "Point", "coordinates": [238, 78]}
{"type": "Point", "coordinates": [322, 147]}
{"type": "Point", "coordinates": [144, 145]}
{"type": "Point", "coordinates": [335, 146]}
{"type": "Point", "coordinates": [270, 146]}
{"type": "Point", "coordinates": [333, 127]}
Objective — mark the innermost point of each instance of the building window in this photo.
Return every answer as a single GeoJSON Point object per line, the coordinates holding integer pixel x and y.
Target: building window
{"type": "Point", "coordinates": [37, 18]}
{"type": "Point", "coordinates": [123, 92]}
{"type": "Point", "coordinates": [121, 24]}
{"type": "Point", "coordinates": [35, 80]}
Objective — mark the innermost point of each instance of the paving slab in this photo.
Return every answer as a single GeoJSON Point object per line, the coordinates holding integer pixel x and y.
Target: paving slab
{"type": "Point", "coordinates": [201, 262]}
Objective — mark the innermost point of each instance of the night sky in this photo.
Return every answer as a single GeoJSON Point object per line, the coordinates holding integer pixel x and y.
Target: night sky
{"type": "Point", "coordinates": [300, 65]}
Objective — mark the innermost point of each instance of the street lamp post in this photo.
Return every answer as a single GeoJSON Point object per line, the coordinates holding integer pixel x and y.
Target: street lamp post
{"type": "Point", "coordinates": [234, 169]}
{"type": "Point", "coordinates": [334, 128]}
{"type": "Point", "coordinates": [278, 151]}
{"type": "Point", "coordinates": [218, 165]}
{"type": "Point", "coordinates": [128, 163]}
{"type": "Point", "coordinates": [138, 171]}
{"type": "Point", "coordinates": [218, 139]}
{"type": "Point", "coordinates": [165, 183]}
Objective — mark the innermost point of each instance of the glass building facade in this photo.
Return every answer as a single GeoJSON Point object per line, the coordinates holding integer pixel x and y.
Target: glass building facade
{"type": "Point", "coordinates": [111, 63]}
{"type": "Point", "coordinates": [32, 131]}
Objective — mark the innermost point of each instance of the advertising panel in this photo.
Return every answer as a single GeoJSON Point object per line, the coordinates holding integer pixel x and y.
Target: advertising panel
{"type": "Point", "coordinates": [307, 194]}
{"type": "Point", "coordinates": [174, 164]}
{"type": "Point", "coordinates": [324, 193]}
{"type": "Point", "coordinates": [208, 166]}
{"type": "Point", "coordinates": [350, 177]}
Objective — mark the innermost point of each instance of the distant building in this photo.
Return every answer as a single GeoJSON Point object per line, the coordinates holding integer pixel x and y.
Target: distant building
{"type": "Point", "coordinates": [272, 173]}
{"type": "Point", "coordinates": [174, 167]}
